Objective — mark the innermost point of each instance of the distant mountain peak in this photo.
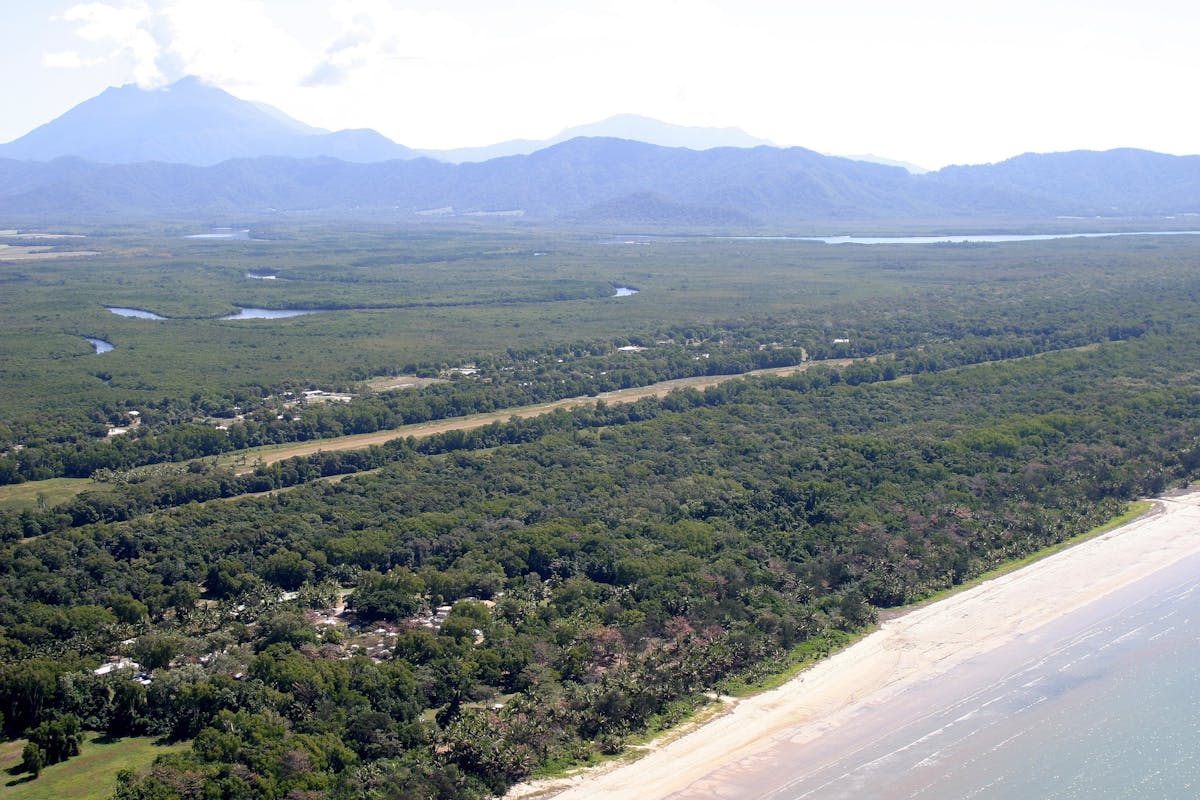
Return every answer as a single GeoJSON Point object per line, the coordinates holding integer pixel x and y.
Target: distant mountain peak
{"type": "Point", "coordinates": [188, 122]}
{"type": "Point", "coordinates": [188, 81]}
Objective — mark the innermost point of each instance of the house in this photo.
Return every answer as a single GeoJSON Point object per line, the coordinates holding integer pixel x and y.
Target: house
{"type": "Point", "coordinates": [116, 664]}
{"type": "Point", "coordinates": [318, 396]}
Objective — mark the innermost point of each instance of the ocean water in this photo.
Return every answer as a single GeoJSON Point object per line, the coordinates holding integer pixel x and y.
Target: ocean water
{"type": "Point", "coordinates": [1101, 704]}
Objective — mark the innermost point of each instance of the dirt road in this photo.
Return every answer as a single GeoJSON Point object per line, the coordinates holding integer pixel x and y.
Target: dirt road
{"type": "Point", "coordinates": [269, 455]}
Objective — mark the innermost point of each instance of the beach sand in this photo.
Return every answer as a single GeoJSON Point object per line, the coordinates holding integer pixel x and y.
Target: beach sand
{"type": "Point", "coordinates": [720, 758]}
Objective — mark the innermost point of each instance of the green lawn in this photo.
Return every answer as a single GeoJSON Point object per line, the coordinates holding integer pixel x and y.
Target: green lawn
{"type": "Point", "coordinates": [21, 496]}
{"type": "Point", "coordinates": [91, 775]}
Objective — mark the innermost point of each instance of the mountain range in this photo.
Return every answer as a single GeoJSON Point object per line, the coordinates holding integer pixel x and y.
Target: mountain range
{"type": "Point", "coordinates": [192, 122]}
{"type": "Point", "coordinates": [192, 149]}
{"type": "Point", "coordinates": [622, 126]}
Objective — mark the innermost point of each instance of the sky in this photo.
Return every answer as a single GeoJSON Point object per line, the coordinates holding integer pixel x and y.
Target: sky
{"type": "Point", "coordinates": [930, 82]}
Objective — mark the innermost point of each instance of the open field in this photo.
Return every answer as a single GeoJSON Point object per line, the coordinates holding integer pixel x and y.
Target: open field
{"type": "Point", "coordinates": [51, 492]}
{"type": "Point", "coordinates": [92, 775]}
{"type": "Point", "coordinates": [395, 382]}
{"type": "Point", "coordinates": [28, 235]}
{"type": "Point", "coordinates": [272, 454]}
{"type": "Point", "coordinates": [35, 253]}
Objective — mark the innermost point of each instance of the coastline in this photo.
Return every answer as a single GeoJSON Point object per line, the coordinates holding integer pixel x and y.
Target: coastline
{"type": "Point", "coordinates": [911, 650]}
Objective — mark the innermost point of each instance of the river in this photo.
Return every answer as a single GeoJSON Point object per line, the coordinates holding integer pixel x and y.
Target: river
{"type": "Point", "coordinates": [99, 345]}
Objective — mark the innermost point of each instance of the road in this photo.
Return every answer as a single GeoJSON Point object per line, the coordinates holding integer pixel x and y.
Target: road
{"type": "Point", "coordinates": [269, 455]}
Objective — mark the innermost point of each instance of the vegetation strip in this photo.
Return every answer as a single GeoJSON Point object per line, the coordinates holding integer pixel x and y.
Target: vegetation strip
{"type": "Point", "coordinates": [270, 455]}
{"type": "Point", "coordinates": [787, 667]}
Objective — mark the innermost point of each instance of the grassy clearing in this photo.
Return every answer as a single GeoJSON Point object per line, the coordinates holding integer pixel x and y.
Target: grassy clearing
{"type": "Point", "coordinates": [92, 775]}
{"type": "Point", "coordinates": [22, 496]}
{"type": "Point", "coordinates": [391, 383]}
{"type": "Point", "coordinates": [39, 253]}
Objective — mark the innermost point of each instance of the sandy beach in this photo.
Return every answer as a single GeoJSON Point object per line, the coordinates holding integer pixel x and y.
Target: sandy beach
{"type": "Point", "coordinates": [718, 759]}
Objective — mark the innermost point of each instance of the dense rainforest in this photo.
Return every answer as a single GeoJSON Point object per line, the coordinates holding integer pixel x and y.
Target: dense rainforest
{"type": "Point", "coordinates": [442, 617]}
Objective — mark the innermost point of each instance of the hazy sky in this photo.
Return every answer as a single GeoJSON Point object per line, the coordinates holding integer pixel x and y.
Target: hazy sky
{"type": "Point", "coordinates": [926, 81]}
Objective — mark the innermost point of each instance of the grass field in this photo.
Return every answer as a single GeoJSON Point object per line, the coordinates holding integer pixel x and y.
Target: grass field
{"type": "Point", "coordinates": [91, 775]}
{"type": "Point", "coordinates": [21, 496]}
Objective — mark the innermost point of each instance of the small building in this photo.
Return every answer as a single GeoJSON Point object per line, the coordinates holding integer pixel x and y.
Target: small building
{"type": "Point", "coordinates": [113, 666]}
{"type": "Point", "coordinates": [318, 396]}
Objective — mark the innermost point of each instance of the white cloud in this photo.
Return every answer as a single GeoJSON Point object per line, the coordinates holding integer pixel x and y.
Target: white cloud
{"type": "Point", "coordinates": [928, 80]}
{"type": "Point", "coordinates": [101, 22]}
{"type": "Point", "coordinates": [65, 59]}
{"type": "Point", "coordinates": [228, 42]}
{"type": "Point", "coordinates": [122, 29]}
{"type": "Point", "coordinates": [372, 37]}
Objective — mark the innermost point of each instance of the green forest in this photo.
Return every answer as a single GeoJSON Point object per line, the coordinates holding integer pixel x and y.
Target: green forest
{"type": "Point", "coordinates": [445, 616]}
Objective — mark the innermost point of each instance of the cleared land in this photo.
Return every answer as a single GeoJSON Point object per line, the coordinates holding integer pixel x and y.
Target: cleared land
{"type": "Point", "coordinates": [92, 775]}
{"type": "Point", "coordinates": [21, 496]}
{"type": "Point", "coordinates": [401, 382]}
{"type": "Point", "coordinates": [19, 253]}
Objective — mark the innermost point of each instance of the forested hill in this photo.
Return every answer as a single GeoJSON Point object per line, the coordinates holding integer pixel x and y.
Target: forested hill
{"type": "Point", "coordinates": [605, 180]}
